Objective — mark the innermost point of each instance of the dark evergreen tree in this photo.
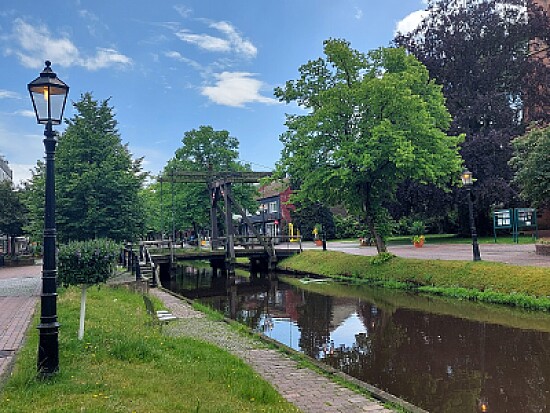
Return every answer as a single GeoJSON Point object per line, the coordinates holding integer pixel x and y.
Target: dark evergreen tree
{"type": "Point", "coordinates": [97, 181]}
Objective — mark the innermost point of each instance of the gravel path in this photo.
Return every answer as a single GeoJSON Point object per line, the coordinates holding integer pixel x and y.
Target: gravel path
{"type": "Point", "coordinates": [306, 389]}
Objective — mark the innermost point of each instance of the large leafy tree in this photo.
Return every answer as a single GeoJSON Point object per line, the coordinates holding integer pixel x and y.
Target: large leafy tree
{"type": "Point", "coordinates": [531, 162]}
{"type": "Point", "coordinates": [97, 181]}
{"type": "Point", "coordinates": [373, 121]}
{"type": "Point", "coordinates": [13, 213]}
{"type": "Point", "coordinates": [203, 149]}
{"type": "Point", "coordinates": [480, 54]}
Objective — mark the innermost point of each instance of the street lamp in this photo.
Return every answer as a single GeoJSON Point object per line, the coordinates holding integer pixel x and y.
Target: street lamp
{"type": "Point", "coordinates": [468, 181]}
{"type": "Point", "coordinates": [262, 209]}
{"type": "Point", "coordinates": [48, 95]}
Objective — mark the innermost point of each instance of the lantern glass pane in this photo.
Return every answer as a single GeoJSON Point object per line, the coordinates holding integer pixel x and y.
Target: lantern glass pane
{"type": "Point", "coordinates": [40, 105]}
{"type": "Point", "coordinates": [49, 102]}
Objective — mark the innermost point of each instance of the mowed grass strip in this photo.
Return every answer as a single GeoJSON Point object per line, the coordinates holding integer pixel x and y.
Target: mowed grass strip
{"type": "Point", "coordinates": [527, 287]}
{"type": "Point", "coordinates": [125, 365]}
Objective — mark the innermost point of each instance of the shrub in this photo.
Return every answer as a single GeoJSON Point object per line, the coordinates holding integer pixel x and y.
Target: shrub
{"type": "Point", "coordinates": [87, 262]}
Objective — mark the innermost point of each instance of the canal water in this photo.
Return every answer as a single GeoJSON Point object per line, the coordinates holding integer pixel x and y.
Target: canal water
{"type": "Point", "coordinates": [443, 355]}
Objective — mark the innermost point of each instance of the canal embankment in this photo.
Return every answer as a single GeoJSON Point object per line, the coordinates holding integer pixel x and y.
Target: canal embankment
{"type": "Point", "coordinates": [492, 282]}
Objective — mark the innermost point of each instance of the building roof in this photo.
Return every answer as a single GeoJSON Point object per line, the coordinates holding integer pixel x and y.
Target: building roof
{"type": "Point", "coordinates": [273, 188]}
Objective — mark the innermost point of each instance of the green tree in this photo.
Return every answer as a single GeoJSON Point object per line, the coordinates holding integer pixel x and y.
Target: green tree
{"type": "Point", "coordinates": [203, 148]}
{"type": "Point", "coordinates": [480, 51]}
{"type": "Point", "coordinates": [33, 196]}
{"type": "Point", "coordinates": [373, 121]}
{"type": "Point", "coordinates": [531, 162]}
{"type": "Point", "coordinates": [13, 212]}
{"type": "Point", "coordinates": [97, 181]}
{"type": "Point", "coordinates": [306, 216]}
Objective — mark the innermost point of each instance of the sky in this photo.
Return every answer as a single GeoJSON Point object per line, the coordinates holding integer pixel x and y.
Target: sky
{"type": "Point", "coordinates": [171, 66]}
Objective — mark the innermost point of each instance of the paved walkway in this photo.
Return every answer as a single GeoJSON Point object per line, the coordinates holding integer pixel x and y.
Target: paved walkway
{"type": "Point", "coordinates": [513, 254]}
{"type": "Point", "coordinates": [304, 388]}
{"type": "Point", "coordinates": [19, 293]}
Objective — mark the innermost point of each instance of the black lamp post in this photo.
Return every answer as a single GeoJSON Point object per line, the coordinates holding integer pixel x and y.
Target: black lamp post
{"type": "Point", "coordinates": [48, 95]}
{"type": "Point", "coordinates": [468, 181]}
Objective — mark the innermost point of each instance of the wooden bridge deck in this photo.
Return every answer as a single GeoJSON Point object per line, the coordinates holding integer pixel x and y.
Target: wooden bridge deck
{"type": "Point", "coordinates": [195, 255]}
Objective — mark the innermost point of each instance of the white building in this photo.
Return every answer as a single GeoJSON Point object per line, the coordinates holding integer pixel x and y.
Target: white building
{"type": "Point", "coordinates": [5, 171]}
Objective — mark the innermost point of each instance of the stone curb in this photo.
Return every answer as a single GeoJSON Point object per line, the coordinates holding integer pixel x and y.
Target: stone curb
{"type": "Point", "coordinates": [327, 371]}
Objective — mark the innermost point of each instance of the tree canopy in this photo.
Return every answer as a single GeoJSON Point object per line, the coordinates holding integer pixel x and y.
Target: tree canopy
{"type": "Point", "coordinates": [97, 181]}
{"type": "Point", "coordinates": [481, 53]}
{"type": "Point", "coordinates": [531, 161]}
{"type": "Point", "coordinates": [13, 213]}
{"type": "Point", "coordinates": [203, 149]}
{"type": "Point", "coordinates": [373, 121]}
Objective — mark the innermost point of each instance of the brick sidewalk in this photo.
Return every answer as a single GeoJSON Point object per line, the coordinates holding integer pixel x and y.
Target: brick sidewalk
{"type": "Point", "coordinates": [306, 389]}
{"type": "Point", "coordinates": [19, 293]}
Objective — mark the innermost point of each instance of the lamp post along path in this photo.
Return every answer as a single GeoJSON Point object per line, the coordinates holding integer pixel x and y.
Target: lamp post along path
{"type": "Point", "coordinates": [49, 96]}
{"type": "Point", "coordinates": [468, 181]}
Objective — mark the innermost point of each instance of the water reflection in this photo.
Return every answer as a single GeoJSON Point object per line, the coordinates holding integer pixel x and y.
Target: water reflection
{"type": "Point", "coordinates": [440, 362]}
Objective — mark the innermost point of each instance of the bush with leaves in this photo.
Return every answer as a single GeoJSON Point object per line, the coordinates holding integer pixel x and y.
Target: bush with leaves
{"type": "Point", "coordinates": [86, 263]}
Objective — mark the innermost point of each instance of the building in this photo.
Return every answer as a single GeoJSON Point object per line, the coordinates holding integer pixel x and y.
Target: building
{"type": "Point", "coordinates": [273, 215]}
{"type": "Point", "coordinates": [534, 110]}
{"type": "Point", "coordinates": [6, 173]}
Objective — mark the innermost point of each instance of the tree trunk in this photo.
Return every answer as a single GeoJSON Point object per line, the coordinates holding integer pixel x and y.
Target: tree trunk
{"type": "Point", "coordinates": [82, 312]}
{"type": "Point", "coordinates": [380, 244]}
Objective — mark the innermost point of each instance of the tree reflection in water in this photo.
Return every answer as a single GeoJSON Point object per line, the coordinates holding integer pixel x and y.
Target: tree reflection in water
{"type": "Point", "coordinates": [442, 363]}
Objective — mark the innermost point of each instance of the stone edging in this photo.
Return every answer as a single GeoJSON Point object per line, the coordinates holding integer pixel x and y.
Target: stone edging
{"type": "Point", "coordinates": [327, 370]}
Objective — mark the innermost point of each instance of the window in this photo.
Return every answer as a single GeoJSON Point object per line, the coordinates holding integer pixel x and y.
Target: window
{"type": "Point", "coordinates": [273, 206]}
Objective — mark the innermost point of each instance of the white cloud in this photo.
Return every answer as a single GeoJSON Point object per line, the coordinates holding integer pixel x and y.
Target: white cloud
{"type": "Point", "coordinates": [105, 58]}
{"type": "Point", "coordinates": [183, 11]}
{"type": "Point", "coordinates": [177, 56]}
{"type": "Point", "coordinates": [358, 13]}
{"type": "Point", "coordinates": [35, 44]}
{"type": "Point", "coordinates": [205, 41]}
{"type": "Point", "coordinates": [21, 151]}
{"type": "Point", "coordinates": [25, 113]}
{"type": "Point", "coordinates": [231, 41]}
{"type": "Point", "coordinates": [239, 44]}
{"type": "Point", "coordinates": [410, 22]}
{"type": "Point", "coordinates": [236, 89]}
{"type": "Point", "coordinates": [8, 94]}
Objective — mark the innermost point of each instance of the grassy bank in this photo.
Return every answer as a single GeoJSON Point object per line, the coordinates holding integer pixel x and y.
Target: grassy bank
{"type": "Point", "coordinates": [527, 287]}
{"type": "Point", "coordinates": [125, 365]}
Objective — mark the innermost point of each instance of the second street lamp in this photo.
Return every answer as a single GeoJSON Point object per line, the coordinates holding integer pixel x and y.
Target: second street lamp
{"type": "Point", "coordinates": [48, 95]}
{"type": "Point", "coordinates": [468, 181]}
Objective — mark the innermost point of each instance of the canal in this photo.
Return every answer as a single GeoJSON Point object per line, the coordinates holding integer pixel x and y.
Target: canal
{"type": "Point", "coordinates": [440, 354]}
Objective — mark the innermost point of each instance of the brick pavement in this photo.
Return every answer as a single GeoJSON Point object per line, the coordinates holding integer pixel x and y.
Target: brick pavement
{"type": "Point", "coordinates": [19, 293]}
{"type": "Point", "coordinates": [306, 389]}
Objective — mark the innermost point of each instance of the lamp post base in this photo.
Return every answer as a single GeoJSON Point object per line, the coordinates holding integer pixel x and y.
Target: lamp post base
{"type": "Point", "coordinates": [48, 350]}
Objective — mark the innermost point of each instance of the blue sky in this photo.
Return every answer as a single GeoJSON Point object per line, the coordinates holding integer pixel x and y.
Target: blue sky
{"type": "Point", "coordinates": [171, 66]}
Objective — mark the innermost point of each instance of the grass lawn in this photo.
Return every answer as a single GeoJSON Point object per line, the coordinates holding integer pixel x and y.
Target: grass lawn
{"type": "Point", "coordinates": [454, 239]}
{"type": "Point", "coordinates": [527, 287]}
{"type": "Point", "coordinates": [125, 365]}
